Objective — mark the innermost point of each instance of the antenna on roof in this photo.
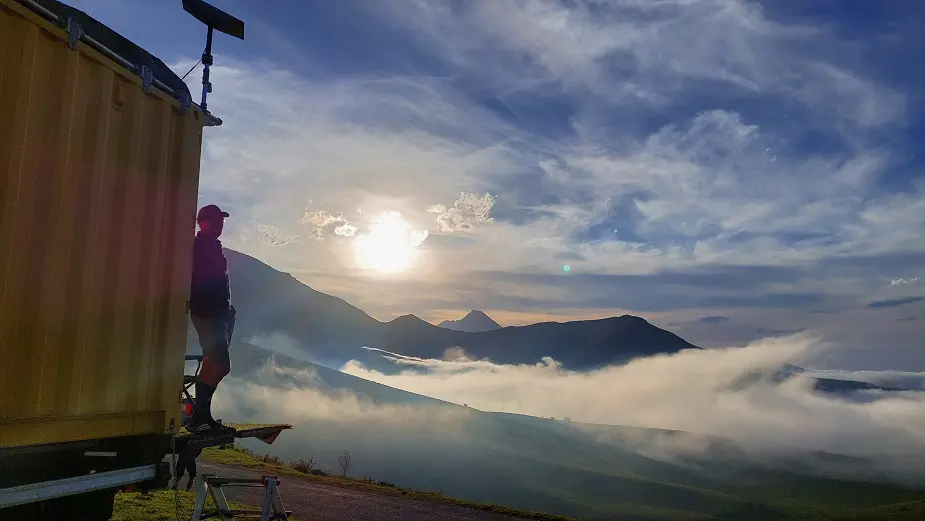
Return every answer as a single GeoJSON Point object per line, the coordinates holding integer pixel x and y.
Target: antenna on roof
{"type": "Point", "coordinates": [219, 20]}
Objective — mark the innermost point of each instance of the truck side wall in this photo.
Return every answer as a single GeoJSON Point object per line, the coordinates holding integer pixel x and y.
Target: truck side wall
{"type": "Point", "coordinates": [98, 184]}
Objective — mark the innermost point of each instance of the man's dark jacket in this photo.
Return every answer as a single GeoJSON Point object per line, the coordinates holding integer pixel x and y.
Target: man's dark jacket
{"type": "Point", "coordinates": [210, 291]}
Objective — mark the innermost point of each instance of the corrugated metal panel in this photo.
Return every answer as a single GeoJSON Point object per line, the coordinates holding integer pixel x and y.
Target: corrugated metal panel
{"type": "Point", "coordinates": [98, 183]}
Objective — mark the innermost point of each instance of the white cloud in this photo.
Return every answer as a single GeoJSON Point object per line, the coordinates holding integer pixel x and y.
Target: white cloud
{"type": "Point", "coordinates": [468, 211]}
{"type": "Point", "coordinates": [901, 281]}
{"type": "Point", "coordinates": [346, 230]}
{"type": "Point", "coordinates": [694, 391]}
{"type": "Point", "coordinates": [273, 236]}
{"type": "Point", "coordinates": [320, 218]}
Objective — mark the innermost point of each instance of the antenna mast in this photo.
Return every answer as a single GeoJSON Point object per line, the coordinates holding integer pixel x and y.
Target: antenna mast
{"type": "Point", "coordinates": [215, 19]}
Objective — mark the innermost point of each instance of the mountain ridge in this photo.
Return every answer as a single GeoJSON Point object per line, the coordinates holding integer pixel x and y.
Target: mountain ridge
{"type": "Point", "coordinates": [330, 328]}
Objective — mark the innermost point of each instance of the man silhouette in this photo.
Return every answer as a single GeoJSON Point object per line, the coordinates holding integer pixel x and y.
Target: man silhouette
{"type": "Point", "coordinates": [212, 314]}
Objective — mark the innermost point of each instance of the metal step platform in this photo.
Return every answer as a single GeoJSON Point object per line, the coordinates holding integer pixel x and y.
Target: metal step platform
{"type": "Point", "coordinates": [188, 446]}
{"type": "Point", "coordinates": [265, 432]}
{"type": "Point", "coordinates": [212, 485]}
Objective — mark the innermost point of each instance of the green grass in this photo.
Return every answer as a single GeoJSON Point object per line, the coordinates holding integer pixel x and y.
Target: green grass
{"type": "Point", "coordinates": [160, 506]}
{"type": "Point", "coordinates": [245, 458]}
{"type": "Point", "coordinates": [906, 511]}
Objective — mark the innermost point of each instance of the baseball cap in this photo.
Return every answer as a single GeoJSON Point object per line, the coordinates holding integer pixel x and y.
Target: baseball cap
{"type": "Point", "coordinates": [210, 212]}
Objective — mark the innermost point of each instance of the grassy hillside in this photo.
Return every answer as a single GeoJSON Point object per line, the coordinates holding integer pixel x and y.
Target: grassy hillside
{"type": "Point", "coordinates": [905, 511]}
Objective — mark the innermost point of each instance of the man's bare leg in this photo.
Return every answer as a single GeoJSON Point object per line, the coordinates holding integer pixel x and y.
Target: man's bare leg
{"type": "Point", "coordinates": [216, 364]}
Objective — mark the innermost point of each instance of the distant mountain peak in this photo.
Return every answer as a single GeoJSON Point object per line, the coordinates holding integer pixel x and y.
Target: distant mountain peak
{"type": "Point", "coordinates": [409, 318]}
{"type": "Point", "coordinates": [475, 321]}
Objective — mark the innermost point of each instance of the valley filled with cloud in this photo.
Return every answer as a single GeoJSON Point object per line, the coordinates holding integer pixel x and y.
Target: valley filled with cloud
{"type": "Point", "coordinates": [692, 424]}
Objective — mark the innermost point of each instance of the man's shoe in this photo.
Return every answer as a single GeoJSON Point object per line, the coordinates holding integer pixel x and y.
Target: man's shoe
{"type": "Point", "coordinates": [217, 425]}
{"type": "Point", "coordinates": [202, 428]}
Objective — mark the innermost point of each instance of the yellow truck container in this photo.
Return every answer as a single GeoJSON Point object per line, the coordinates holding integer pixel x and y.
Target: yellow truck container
{"type": "Point", "coordinates": [99, 175]}
{"type": "Point", "coordinates": [98, 187]}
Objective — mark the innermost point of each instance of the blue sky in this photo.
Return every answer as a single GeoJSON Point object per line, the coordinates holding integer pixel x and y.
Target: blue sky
{"type": "Point", "coordinates": [727, 169]}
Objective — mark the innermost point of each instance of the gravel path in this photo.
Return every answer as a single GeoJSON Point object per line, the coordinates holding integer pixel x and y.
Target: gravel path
{"type": "Point", "coordinates": [311, 501]}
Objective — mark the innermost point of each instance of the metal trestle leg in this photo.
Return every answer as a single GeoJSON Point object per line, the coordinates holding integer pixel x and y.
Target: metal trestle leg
{"type": "Point", "coordinates": [210, 484]}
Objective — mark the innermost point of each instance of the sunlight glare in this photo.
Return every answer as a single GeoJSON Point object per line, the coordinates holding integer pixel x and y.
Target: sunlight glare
{"type": "Point", "coordinates": [390, 246]}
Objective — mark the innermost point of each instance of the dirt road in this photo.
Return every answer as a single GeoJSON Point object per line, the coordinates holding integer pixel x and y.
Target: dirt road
{"type": "Point", "coordinates": [311, 501]}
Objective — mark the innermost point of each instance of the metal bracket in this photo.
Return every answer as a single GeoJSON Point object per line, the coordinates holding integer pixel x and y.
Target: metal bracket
{"type": "Point", "coordinates": [211, 120]}
{"type": "Point", "coordinates": [185, 102]}
{"type": "Point", "coordinates": [74, 32]}
{"type": "Point", "coordinates": [147, 78]}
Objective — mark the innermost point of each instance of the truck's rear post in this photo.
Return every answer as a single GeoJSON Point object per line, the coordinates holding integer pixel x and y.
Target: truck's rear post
{"type": "Point", "coordinates": [99, 175]}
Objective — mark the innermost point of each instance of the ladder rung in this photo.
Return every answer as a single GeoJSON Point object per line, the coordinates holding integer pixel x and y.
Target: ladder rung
{"type": "Point", "coordinates": [237, 485]}
{"type": "Point", "coordinates": [232, 481]}
{"type": "Point", "coordinates": [236, 481]}
{"type": "Point", "coordinates": [241, 512]}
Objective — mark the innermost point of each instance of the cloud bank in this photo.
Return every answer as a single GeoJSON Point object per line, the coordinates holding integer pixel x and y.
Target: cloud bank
{"type": "Point", "coordinates": [694, 391]}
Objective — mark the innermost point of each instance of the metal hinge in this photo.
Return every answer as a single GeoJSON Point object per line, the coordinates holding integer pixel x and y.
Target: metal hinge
{"type": "Point", "coordinates": [74, 32]}
{"type": "Point", "coordinates": [147, 78]}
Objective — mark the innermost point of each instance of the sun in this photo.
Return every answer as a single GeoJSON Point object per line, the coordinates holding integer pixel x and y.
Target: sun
{"type": "Point", "coordinates": [390, 246]}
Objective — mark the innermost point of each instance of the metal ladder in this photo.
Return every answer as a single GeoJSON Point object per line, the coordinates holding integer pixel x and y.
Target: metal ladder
{"type": "Point", "coordinates": [210, 484]}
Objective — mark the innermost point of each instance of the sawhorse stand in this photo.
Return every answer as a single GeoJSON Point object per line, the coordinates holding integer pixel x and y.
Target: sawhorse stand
{"type": "Point", "coordinates": [210, 484]}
